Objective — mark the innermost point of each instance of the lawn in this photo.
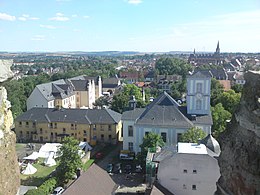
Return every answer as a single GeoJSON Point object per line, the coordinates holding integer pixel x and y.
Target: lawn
{"type": "Point", "coordinates": [39, 177]}
{"type": "Point", "coordinates": [88, 164]}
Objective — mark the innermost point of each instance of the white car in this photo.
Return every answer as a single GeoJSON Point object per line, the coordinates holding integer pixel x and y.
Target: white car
{"type": "Point", "coordinates": [58, 190]}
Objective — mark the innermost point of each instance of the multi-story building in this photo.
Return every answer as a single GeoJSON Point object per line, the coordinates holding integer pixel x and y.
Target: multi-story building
{"type": "Point", "coordinates": [189, 168]}
{"type": "Point", "coordinates": [76, 92]}
{"type": "Point", "coordinates": [52, 124]}
{"type": "Point", "coordinates": [167, 118]}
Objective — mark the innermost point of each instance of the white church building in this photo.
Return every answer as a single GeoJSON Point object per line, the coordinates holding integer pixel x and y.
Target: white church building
{"type": "Point", "coordinates": [166, 117]}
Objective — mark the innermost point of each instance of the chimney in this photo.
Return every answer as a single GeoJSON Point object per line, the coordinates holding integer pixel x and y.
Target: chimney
{"type": "Point", "coordinates": [132, 103]}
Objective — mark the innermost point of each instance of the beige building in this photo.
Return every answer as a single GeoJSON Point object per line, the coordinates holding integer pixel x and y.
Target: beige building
{"type": "Point", "coordinates": [51, 125]}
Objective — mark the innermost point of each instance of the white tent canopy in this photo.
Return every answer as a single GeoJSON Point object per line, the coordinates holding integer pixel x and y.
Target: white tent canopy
{"type": "Point", "coordinates": [29, 170]}
{"type": "Point", "coordinates": [47, 148]}
{"type": "Point", "coordinates": [50, 160]}
{"type": "Point", "coordinates": [85, 145]}
{"type": "Point", "coordinates": [33, 156]}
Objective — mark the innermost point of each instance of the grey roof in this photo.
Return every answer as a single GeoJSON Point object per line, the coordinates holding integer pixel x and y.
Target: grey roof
{"type": "Point", "coordinates": [61, 90]}
{"type": "Point", "coordinates": [84, 77]}
{"type": "Point", "coordinates": [211, 143]}
{"type": "Point", "coordinates": [92, 182]}
{"type": "Point", "coordinates": [80, 85]}
{"type": "Point", "coordinates": [80, 116]}
{"type": "Point", "coordinates": [110, 82]}
{"type": "Point", "coordinates": [201, 74]}
{"type": "Point", "coordinates": [219, 74]}
{"type": "Point", "coordinates": [132, 114]}
{"type": "Point", "coordinates": [164, 111]}
{"type": "Point", "coordinates": [199, 119]}
{"type": "Point", "coordinates": [46, 89]}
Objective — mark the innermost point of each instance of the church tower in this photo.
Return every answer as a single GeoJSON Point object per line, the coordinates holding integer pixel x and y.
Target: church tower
{"type": "Point", "coordinates": [218, 49]}
{"type": "Point", "coordinates": [198, 93]}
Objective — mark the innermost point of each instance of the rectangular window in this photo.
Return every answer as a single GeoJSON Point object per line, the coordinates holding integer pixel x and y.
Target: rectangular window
{"type": "Point", "coordinates": [34, 124]}
{"type": "Point", "coordinates": [51, 125]}
{"type": "Point", "coordinates": [131, 146]}
{"type": "Point", "coordinates": [94, 127]}
{"type": "Point", "coordinates": [185, 171]}
{"type": "Point", "coordinates": [27, 123]}
{"type": "Point", "coordinates": [164, 136]}
{"type": "Point", "coordinates": [85, 133]}
{"type": "Point", "coordinates": [194, 187]}
{"type": "Point", "coordinates": [109, 128]}
{"type": "Point", "coordinates": [179, 137]}
{"type": "Point", "coordinates": [64, 130]}
{"type": "Point", "coordinates": [102, 137]}
{"type": "Point", "coordinates": [101, 128]}
{"type": "Point", "coordinates": [109, 137]}
{"type": "Point", "coordinates": [20, 123]}
{"type": "Point", "coordinates": [77, 99]}
{"type": "Point", "coordinates": [194, 171]}
{"type": "Point", "coordinates": [55, 125]}
{"type": "Point", "coordinates": [146, 133]}
{"type": "Point", "coordinates": [130, 131]}
{"type": "Point", "coordinates": [184, 186]}
{"type": "Point", "coordinates": [199, 88]}
{"type": "Point", "coordinates": [198, 104]}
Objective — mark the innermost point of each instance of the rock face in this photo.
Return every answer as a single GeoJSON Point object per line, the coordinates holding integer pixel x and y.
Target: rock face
{"type": "Point", "coordinates": [5, 72]}
{"type": "Point", "coordinates": [240, 144]}
{"type": "Point", "coordinates": [9, 168]}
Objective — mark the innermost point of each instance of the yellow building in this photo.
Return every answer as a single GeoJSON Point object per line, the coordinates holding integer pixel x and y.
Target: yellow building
{"type": "Point", "coordinates": [52, 124]}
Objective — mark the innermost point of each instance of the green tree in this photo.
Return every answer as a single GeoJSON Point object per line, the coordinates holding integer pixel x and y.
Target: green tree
{"type": "Point", "coordinates": [193, 135]}
{"type": "Point", "coordinates": [229, 99]}
{"type": "Point", "coordinates": [237, 88]}
{"type": "Point", "coordinates": [102, 101]}
{"type": "Point", "coordinates": [69, 161]}
{"type": "Point", "coordinates": [168, 66]}
{"type": "Point", "coordinates": [216, 90]}
{"type": "Point", "coordinates": [120, 101]}
{"type": "Point", "coordinates": [219, 116]}
{"type": "Point", "coordinates": [151, 140]}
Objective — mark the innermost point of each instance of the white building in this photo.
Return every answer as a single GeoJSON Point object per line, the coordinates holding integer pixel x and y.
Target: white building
{"type": "Point", "coordinates": [191, 170]}
{"type": "Point", "coordinates": [76, 92]}
{"type": "Point", "coordinates": [166, 117]}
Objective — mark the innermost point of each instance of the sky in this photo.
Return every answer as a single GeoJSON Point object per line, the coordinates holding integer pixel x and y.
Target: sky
{"type": "Point", "coordinates": [129, 25]}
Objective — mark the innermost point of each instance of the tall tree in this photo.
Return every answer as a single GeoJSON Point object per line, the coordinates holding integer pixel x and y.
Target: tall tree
{"type": "Point", "coordinates": [193, 135]}
{"type": "Point", "coordinates": [219, 116]}
{"type": "Point", "coordinates": [216, 90]}
{"type": "Point", "coordinates": [229, 99]}
{"type": "Point", "coordinates": [69, 161]}
{"type": "Point", "coordinates": [151, 140]}
{"type": "Point", "coordinates": [120, 101]}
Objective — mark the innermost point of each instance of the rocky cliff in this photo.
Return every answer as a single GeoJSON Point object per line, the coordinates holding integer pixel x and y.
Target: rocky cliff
{"type": "Point", "coordinates": [9, 169]}
{"type": "Point", "coordinates": [240, 144]}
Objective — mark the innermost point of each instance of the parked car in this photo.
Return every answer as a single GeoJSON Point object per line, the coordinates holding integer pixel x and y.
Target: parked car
{"type": "Point", "coordinates": [99, 155]}
{"type": "Point", "coordinates": [128, 169]}
{"type": "Point", "coordinates": [58, 190]}
{"type": "Point", "coordinates": [138, 169]}
{"type": "Point", "coordinates": [118, 168]}
{"type": "Point", "coordinates": [109, 168]}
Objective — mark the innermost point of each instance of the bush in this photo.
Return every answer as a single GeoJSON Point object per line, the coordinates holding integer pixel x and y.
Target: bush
{"type": "Point", "coordinates": [46, 188]}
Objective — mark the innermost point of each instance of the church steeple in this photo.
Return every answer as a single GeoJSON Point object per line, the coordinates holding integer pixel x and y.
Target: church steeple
{"type": "Point", "coordinates": [194, 51]}
{"type": "Point", "coordinates": [218, 49]}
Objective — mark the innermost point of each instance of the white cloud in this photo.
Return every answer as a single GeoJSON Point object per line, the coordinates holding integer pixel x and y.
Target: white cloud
{"type": "Point", "coordinates": [86, 17]}
{"type": "Point", "coordinates": [26, 17]}
{"type": "Point", "coordinates": [59, 17]}
{"type": "Point", "coordinates": [4, 16]}
{"type": "Point", "coordinates": [135, 2]}
{"type": "Point", "coordinates": [22, 18]}
{"type": "Point", "coordinates": [38, 38]}
{"type": "Point", "coordinates": [74, 16]}
{"type": "Point", "coordinates": [48, 26]}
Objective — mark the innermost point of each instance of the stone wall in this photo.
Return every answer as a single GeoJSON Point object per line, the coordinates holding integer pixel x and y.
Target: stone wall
{"type": "Point", "coordinates": [9, 169]}
{"type": "Point", "coordinates": [240, 144]}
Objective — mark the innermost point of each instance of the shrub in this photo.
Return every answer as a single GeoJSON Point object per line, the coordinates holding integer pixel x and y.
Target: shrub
{"type": "Point", "coordinates": [44, 189]}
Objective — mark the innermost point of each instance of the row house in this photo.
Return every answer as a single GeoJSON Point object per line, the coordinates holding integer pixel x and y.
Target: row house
{"type": "Point", "coordinates": [52, 125]}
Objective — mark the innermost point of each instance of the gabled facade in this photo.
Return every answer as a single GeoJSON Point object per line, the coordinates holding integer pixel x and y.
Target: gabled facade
{"type": "Point", "coordinates": [51, 125]}
{"type": "Point", "coordinates": [76, 92]}
{"type": "Point", "coordinates": [51, 95]}
{"type": "Point", "coordinates": [167, 118]}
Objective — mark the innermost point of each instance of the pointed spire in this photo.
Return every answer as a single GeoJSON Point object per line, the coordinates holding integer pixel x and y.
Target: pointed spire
{"type": "Point", "coordinates": [194, 51]}
{"type": "Point", "coordinates": [218, 49]}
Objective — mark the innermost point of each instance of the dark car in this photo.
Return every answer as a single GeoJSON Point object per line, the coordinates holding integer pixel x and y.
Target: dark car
{"type": "Point", "coordinates": [109, 168]}
{"type": "Point", "coordinates": [99, 155]}
{"type": "Point", "coordinates": [128, 169]}
{"type": "Point", "coordinates": [138, 169]}
{"type": "Point", "coordinates": [117, 168]}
